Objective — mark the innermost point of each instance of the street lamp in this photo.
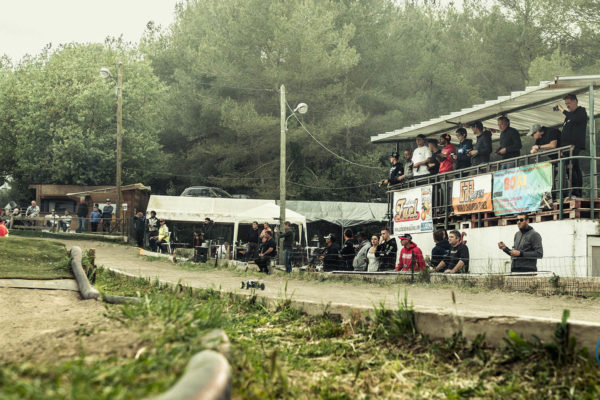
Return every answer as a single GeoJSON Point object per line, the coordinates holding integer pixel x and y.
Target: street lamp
{"type": "Point", "coordinates": [301, 108]}
{"type": "Point", "coordinates": [105, 73]}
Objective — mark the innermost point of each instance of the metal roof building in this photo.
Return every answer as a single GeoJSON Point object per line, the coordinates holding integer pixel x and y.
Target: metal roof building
{"type": "Point", "coordinates": [523, 108]}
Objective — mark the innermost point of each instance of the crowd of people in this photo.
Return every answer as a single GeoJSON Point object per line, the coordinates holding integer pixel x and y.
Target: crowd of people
{"type": "Point", "coordinates": [450, 255]}
{"type": "Point", "coordinates": [437, 156]}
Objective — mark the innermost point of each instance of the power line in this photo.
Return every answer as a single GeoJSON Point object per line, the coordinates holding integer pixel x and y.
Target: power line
{"type": "Point", "coordinates": [333, 188]}
{"type": "Point", "coordinates": [325, 147]}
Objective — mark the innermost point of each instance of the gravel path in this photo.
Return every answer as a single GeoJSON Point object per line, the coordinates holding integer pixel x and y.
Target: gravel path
{"type": "Point", "coordinates": [492, 303]}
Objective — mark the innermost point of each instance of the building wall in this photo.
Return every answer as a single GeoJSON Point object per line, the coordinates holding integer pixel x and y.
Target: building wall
{"type": "Point", "coordinates": [565, 246]}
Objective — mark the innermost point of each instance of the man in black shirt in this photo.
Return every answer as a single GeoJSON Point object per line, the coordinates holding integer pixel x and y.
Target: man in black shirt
{"type": "Point", "coordinates": [510, 142]}
{"type": "Point", "coordinates": [545, 139]}
{"type": "Point", "coordinates": [458, 259]}
{"type": "Point", "coordinates": [288, 244]}
{"type": "Point", "coordinates": [268, 250]}
{"type": "Point", "coordinates": [386, 251]}
{"type": "Point", "coordinates": [433, 163]}
{"type": "Point", "coordinates": [483, 147]}
{"type": "Point", "coordinates": [253, 239]}
{"type": "Point", "coordinates": [207, 229]}
{"type": "Point", "coordinates": [573, 134]}
{"type": "Point", "coordinates": [331, 258]}
{"type": "Point", "coordinates": [107, 212]}
{"type": "Point", "coordinates": [396, 171]}
{"type": "Point", "coordinates": [82, 212]}
{"type": "Point", "coordinates": [347, 251]}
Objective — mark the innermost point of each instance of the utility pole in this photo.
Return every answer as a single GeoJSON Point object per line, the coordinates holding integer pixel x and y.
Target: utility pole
{"type": "Point", "coordinates": [119, 133]}
{"type": "Point", "coordinates": [282, 165]}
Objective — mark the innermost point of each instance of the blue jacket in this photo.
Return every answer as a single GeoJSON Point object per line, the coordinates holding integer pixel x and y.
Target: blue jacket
{"type": "Point", "coordinates": [463, 159]}
{"type": "Point", "coordinates": [95, 216]}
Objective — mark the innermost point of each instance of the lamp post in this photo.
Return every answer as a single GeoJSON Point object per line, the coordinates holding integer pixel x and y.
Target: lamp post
{"type": "Point", "coordinates": [105, 73]}
{"type": "Point", "coordinates": [302, 108]}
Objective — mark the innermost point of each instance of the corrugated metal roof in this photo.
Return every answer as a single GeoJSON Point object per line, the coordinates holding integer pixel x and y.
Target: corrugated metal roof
{"type": "Point", "coordinates": [523, 108]}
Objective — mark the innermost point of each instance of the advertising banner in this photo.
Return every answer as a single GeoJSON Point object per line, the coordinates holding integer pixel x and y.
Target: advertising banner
{"type": "Point", "coordinates": [472, 195]}
{"type": "Point", "coordinates": [522, 189]}
{"type": "Point", "coordinates": [412, 211]}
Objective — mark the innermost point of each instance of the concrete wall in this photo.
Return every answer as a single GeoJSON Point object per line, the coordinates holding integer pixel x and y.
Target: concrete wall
{"type": "Point", "coordinates": [565, 246]}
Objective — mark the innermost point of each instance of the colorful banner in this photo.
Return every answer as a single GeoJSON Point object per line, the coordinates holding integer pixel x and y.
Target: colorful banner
{"type": "Point", "coordinates": [412, 211]}
{"type": "Point", "coordinates": [523, 189]}
{"type": "Point", "coordinates": [472, 195]}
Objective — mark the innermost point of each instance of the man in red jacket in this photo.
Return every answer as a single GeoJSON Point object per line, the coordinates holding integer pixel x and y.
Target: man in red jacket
{"type": "Point", "coordinates": [410, 255]}
{"type": "Point", "coordinates": [448, 152]}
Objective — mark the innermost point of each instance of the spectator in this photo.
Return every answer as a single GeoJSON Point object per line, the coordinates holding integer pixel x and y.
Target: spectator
{"type": "Point", "coordinates": [447, 154]}
{"type": "Point", "coordinates": [373, 260]}
{"type": "Point", "coordinates": [573, 134]}
{"type": "Point", "coordinates": [198, 239]}
{"type": "Point", "coordinates": [32, 211]}
{"type": "Point", "coordinates": [3, 230]}
{"type": "Point", "coordinates": [527, 247]}
{"type": "Point", "coordinates": [458, 258]}
{"type": "Point", "coordinates": [268, 250]}
{"type": "Point", "coordinates": [65, 221]}
{"type": "Point", "coordinates": [107, 212]}
{"type": "Point", "coordinates": [139, 226]}
{"type": "Point", "coordinates": [483, 147]}
{"type": "Point", "coordinates": [347, 253]}
{"type": "Point", "coordinates": [441, 249]}
{"type": "Point", "coordinates": [510, 142]}
{"type": "Point", "coordinates": [420, 157]}
{"type": "Point", "coordinates": [223, 251]}
{"type": "Point", "coordinates": [266, 228]}
{"type": "Point", "coordinates": [462, 157]}
{"type": "Point", "coordinates": [331, 259]}
{"type": "Point", "coordinates": [386, 251]}
{"type": "Point", "coordinates": [396, 171]}
{"type": "Point", "coordinates": [52, 221]}
{"type": "Point", "coordinates": [253, 239]}
{"type": "Point", "coordinates": [545, 139]}
{"type": "Point", "coordinates": [288, 245]}
{"type": "Point", "coordinates": [161, 238]}
{"type": "Point", "coordinates": [16, 213]}
{"type": "Point", "coordinates": [410, 255]}
{"type": "Point", "coordinates": [360, 260]}
{"type": "Point", "coordinates": [95, 218]}
{"type": "Point", "coordinates": [408, 164]}
{"type": "Point", "coordinates": [433, 163]}
{"type": "Point", "coordinates": [153, 225]}
{"type": "Point", "coordinates": [209, 225]}
{"type": "Point", "coordinates": [82, 213]}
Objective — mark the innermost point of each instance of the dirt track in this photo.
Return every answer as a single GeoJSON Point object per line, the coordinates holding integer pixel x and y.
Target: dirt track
{"type": "Point", "coordinates": [491, 303]}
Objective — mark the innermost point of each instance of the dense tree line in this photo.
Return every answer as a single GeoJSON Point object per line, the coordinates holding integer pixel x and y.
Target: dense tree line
{"type": "Point", "coordinates": [201, 101]}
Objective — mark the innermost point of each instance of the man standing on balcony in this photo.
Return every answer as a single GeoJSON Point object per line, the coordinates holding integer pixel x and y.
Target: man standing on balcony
{"type": "Point", "coordinates": [483, 146]}
{"type": "Point", "coordinates": [573, 134]}
{"type": "Point", "coordinates": [420, 157]}
{"type": "Point", "coordinates": [510, 142]}
{"type": "Point", "coordinates": [447, 154]}
{"type": "Point", "coordinates": [396, 171]}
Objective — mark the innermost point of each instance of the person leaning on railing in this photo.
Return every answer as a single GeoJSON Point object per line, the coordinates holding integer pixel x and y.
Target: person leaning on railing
{"type": "Point", "coordinates": [510, 142]}
{"type": "Point", "coordinates": [420, 157]}
{"type": "Point", "coordinates": [396, 174]}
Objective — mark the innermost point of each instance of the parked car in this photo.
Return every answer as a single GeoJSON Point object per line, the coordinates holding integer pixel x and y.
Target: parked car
{"type": "Point", "coordinates": [205, 191]}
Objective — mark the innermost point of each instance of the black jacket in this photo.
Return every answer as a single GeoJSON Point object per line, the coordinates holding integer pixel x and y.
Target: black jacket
{"type": "Point", "coordinates": [348, 253]}
{"type": "Point", "coordinates": [483, 147]}
{"type": "Point", "coordinates": [82, 210]}
{"type": "Point", "coordinates": [529, 243]}
{"type": "Point", "coordinates": [396, 171]}
{"type": "Point", "coordinates": [332, 257]}
{"type": "Point", "coordinates": [440, 251]}
{"type": "Point", "coordinates": [511, 140]}
{"type": "Point", "coordinates": [253, 236]}
{"type": "Point", "coordinates": [288, 239]}
{"type": "Point", "coordinates": [574, 128]}
{"type": "Point", "coordinates": [386, 252]}
{"type": "Point", "coordinates": [463, 159]}
{"type": "Point", "coordinates": [207, 229]}
{"type": "Point", "coordinates": [107, 212]}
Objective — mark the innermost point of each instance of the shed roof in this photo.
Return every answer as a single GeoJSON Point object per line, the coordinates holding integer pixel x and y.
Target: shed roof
{"type": "Point", "coordinates": [523, 108]}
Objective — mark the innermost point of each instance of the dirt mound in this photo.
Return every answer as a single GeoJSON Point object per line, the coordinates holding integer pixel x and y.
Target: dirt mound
{"type": "Point", "coordinates": [53, 324]}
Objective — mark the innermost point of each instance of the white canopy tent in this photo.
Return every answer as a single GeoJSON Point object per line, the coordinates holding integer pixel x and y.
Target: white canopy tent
{"type": "Point", "coordinates": [220, 210]}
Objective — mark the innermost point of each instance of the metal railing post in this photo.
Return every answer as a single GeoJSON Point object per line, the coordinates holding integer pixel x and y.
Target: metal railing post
{"type": "Point", "coordinates": [561, 178]}
{"type": "Point", "coordinates": [592, 128]}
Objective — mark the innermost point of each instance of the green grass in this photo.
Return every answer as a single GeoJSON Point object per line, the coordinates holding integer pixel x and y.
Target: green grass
{"type": "Point", "coordinates": [283, 353]}
{"type": "Point", "coordinates": [27, 258]}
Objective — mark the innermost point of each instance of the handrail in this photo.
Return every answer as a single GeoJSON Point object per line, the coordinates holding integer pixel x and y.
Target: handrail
{"type": "Point", "coordinates": [564, 155]}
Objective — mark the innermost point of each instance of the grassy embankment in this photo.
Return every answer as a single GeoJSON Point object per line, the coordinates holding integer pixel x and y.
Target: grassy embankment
{"type": "Point", "coordinates": [283, 353]}
{"type": "Point", "coordinates": [26, 258]}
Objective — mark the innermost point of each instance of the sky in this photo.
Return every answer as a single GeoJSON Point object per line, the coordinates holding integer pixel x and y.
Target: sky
{"type": "Point", "coordinates": [26, 26]}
